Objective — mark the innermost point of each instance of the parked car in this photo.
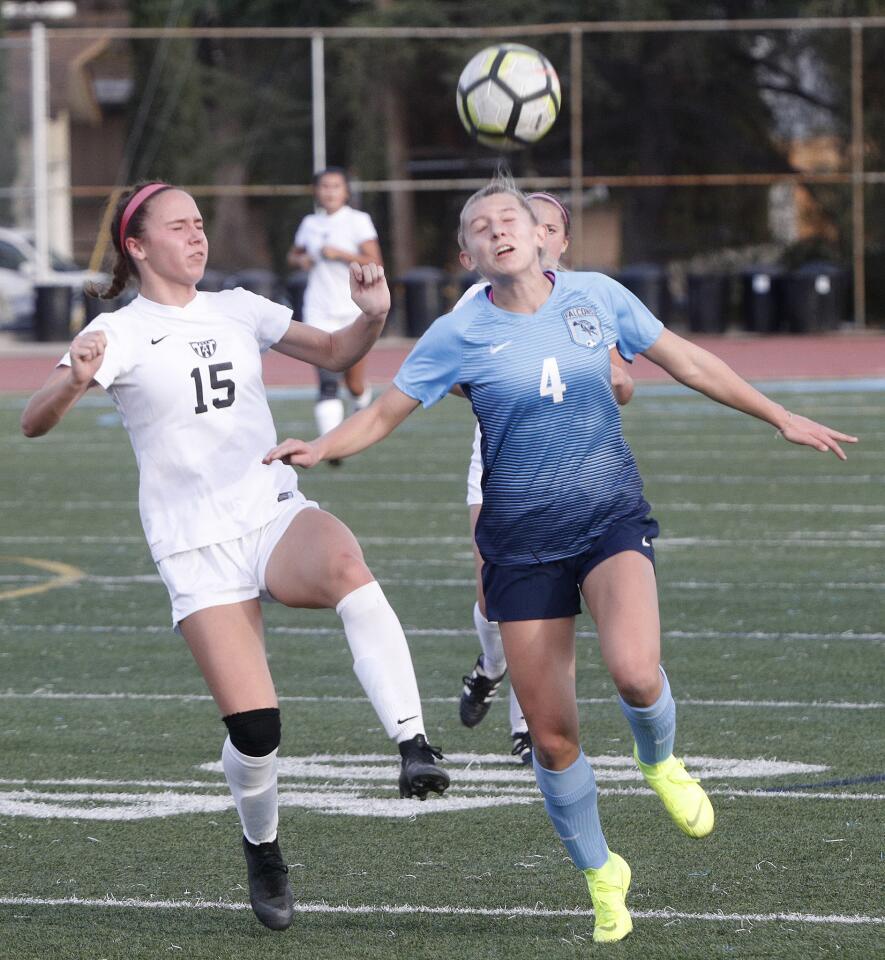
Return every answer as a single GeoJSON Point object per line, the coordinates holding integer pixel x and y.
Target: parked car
{"type": "Point", "coordinates": [18, 272]}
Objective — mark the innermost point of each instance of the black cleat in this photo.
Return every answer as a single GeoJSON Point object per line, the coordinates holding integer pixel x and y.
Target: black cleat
{"type": "Point", "coordinates": [477, 695]}
{"type": "Point", "coordinates": [522, 746]}
{"type": "Point", "coordinates": [269, 890]}
{"type": "Point", "coordinates": [419, 773]}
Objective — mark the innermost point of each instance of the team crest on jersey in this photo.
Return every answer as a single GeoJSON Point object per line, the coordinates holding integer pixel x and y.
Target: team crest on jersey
{"type": "Point", "coordinates": [583, 325]}
{"type": "Point", "coordinates": [203, 348]}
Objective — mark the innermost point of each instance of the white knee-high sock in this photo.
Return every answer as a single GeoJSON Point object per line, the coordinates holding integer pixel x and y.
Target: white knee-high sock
{"type": "Point", "coordinates": [494, 663]}
{"type": "Point", "coordinates": [382, 661]}
{"type": "Point", "coordinates": [362, 400]}
{"type": "Point", "coordinates": [517, 720]}
{"type": "Point", "coordinates": [328, 413]}
{"type": "Point", "coordinates": [253, 783]}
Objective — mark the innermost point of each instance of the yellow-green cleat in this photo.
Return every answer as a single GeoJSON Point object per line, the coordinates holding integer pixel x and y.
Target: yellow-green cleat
{"type": "Point", "coordinates": [608, 886]}
{"type": "Point", "coordinates": [681, 794]}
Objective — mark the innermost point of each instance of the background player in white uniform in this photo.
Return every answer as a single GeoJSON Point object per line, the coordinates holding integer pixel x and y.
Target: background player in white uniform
{"type": "Point", "coordinates": [326, 243]}
{"type": "Point", "coordinates": [563, 510]}
{"type": "Point", "coordinates": [184, 370]}
{"type": "Point", "coordinates": [481, 684]}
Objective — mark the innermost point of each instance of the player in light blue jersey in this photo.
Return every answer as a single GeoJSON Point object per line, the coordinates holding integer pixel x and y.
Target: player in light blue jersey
{"type": "Point", "coordinates": [563, 511]}
{"type": "Point", "coordinates": [482, 683]}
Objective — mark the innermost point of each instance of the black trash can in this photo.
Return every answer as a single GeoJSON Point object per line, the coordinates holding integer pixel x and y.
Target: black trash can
{"type": "Point", "coordinates": [816, 297]}
{"type": "Point", "coordinates": [707, 302]}
{"type": "Point", "coordinates": [465, 281]}
{"type": "Point", "coordinates": [52, 312]}
{"type": "Point", "coordinates": [263, 282]}
{"type": "Point", "coordinates": [762, 299]}
{"type": "Point", "coordinates": [425, 298]}
{"type": "Point", "coordinates": [96, 306]}
{"type": "Point", "coordinates": [648, 281]}
{"type": "Point", "coordinates": [296, 284]}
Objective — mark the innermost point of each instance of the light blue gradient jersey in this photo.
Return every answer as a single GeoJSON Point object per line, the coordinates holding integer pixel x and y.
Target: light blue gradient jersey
{"type": "Point", "coordinates": [556, 467]}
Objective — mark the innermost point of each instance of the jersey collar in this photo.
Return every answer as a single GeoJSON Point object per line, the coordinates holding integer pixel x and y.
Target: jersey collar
{"type": "Point", "coordinates": [490, 294]}
{"type": "Point", "coordinates": [165, 310]}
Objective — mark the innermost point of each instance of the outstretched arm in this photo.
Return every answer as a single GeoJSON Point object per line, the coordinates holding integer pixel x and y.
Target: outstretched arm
{"type": "Point", "coordinates": [341, 350]}
{"type": "Point", "coordinates": [703, 371]}
{"type": "Point", "coordinates": [65, 385]}
{"type": "Point", "coordinates": [356, 433]}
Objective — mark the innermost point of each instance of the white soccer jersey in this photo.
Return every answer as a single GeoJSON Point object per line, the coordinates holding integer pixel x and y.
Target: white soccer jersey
{"type": "Point", "coordinates": [327, 301]}
{"type": "Point", "coordinates": [187, 383]}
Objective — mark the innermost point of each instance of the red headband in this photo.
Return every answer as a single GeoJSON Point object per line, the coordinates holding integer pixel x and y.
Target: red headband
{"type": "Point", "coordinates": [556, 203]}
{"type": "Point", "coordinates": [134, 203]}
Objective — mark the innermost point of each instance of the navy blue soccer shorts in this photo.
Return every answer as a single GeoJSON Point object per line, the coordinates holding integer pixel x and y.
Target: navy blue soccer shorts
{"type": "Point", "coordinates": [545, 591]}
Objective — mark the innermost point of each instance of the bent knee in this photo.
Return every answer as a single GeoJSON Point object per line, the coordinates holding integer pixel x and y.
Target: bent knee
{"type": "Point", "coordinates": [639, 689]}
{"type": "Point", "coordinates": [255, 733]}
{"type": "Point", "coordinates": [555, 750]}
{"type": "Point", "coordinates": [348, 571]}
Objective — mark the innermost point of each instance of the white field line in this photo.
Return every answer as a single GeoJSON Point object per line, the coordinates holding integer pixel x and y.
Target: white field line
{"type": "Point", "coordinates": [330, 698]}
{"type": "Point", "coordinates": [658, 508]}
{"type": "Point", "coordinates": [466, 582]}
{"type": "Point", "coordinates": [643, 453]}
{"type": "Point", "coordinates": [475, 789]}
{"type": "Point", "coordinates": [129, 629]}
{"type": "Point", "coordinates": [858, 538]}
{"type": "Point", "coordinates": [783, 479]}
{"type": "Point", "coordinates": [406, 909]}
{"type": "Point", "coordinates": [792, 585]}
{"type": "Point", "coordinates": [530, 792]}
{"type": "Point", "coordinates": [757, 479]}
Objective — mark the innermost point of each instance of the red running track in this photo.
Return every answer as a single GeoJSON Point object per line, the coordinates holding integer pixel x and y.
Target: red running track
{"type": "Point", "coordinates": [23, 367]}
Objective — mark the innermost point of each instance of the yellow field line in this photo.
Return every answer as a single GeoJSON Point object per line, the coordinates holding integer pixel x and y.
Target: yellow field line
{"type": "Point", "coordinates": [65, 574]}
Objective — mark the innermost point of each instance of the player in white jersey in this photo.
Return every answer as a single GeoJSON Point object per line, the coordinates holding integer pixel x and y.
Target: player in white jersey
{"type": "Point", "coordinates": [325, 244]}
{"type": "Point", "coordinates": [184, 370]}
{"type": "Point", "coordinates": [482, 683]}
{"type": "Point", "coordinates": [563, 514]}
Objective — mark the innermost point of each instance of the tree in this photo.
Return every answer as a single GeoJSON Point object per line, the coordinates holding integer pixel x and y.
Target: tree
{"type": "Point", "coordinates": [228, 112]}
{"type": "Point", "coordinates": [654, 103]}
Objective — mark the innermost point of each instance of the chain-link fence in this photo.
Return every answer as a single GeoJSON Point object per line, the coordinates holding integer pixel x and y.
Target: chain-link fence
{"type": "Point", "coordinates": [699, 148]}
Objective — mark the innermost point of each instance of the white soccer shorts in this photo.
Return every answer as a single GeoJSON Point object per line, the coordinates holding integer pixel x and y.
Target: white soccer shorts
{"type": "Point", "coordinates": [227, 572]}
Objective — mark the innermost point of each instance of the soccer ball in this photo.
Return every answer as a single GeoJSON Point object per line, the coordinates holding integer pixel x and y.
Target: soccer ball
{"type": "Point", "coordinates": [508, 96]}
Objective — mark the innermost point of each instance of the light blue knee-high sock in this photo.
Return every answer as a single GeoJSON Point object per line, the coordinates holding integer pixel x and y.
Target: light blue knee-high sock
{"type": "Point", "coordinates": [570, 799]}
{"type": "Point", "coordinates": [654, 727]}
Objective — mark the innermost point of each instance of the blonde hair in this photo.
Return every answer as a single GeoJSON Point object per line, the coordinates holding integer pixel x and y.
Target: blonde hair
{"type": "Point", "coordinates": [501, 183]}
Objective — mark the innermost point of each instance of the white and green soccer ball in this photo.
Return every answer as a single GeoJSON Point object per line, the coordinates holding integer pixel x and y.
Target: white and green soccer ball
{"type": "Point", "coordinates": [508, 96]}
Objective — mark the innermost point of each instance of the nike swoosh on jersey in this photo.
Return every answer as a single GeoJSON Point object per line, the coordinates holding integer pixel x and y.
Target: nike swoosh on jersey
{"type": "Point", "coordinates": [646, 542]}
{"type": "Point", "coordinates": [498, 347]}
{"type": "Point", "coordinates": [155, 342]}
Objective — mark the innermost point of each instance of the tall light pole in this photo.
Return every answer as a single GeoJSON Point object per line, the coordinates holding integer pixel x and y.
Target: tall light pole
{"type": "Point", "coordinates": [40, 148]}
